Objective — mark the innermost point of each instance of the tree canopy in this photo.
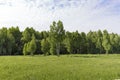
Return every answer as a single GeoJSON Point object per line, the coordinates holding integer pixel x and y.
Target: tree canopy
{"type": "Point", "coordinates": [57, 41]}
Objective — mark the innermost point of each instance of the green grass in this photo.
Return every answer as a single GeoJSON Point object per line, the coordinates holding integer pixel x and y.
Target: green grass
{"type": "Point", "coordinates": [73, 67]}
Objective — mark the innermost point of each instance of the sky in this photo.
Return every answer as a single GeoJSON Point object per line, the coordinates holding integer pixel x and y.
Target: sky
{"type": "Point", "coordinates": [81, 15]}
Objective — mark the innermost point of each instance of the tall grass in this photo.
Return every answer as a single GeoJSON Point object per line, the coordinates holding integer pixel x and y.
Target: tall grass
{"type": "Point", "coordinates": [72, 67]}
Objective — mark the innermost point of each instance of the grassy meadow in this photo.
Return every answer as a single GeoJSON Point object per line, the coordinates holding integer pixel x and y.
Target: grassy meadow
{"type": "Point", "coordinates": [72, 67]}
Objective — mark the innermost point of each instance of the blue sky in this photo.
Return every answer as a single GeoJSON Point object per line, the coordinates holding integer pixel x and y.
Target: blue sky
{"type": "Point", "coordinates": [81, 15]}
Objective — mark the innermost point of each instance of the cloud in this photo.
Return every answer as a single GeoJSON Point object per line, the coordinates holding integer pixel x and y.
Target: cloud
{"type": "Point", "coordinates": [81, 15]}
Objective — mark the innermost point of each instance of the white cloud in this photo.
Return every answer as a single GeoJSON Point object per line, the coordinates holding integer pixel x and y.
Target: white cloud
{"type": "Point", "coordinates": [81, 15]}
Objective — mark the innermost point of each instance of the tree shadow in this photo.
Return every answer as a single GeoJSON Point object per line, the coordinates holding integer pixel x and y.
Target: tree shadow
{"type": "Point", "coordinates": [86, 56]}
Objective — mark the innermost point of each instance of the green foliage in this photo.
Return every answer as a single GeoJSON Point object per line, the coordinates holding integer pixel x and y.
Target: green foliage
{"type": "Point", "coordinates": [57, 41]}
{"type": "Point", "coordinates": [45, 46]}
{"type": "Point", "coordinates": [26, 36]}
{"type": "Point", "coordinates": [18, 43]}
{"type": "Point", "coordinates": [7, 41]}
{"type": "Point", "coordinates": [99, 41]}
{"type": "Point", "coordinates": [56, 37]}
{"type": "Point", "coordinates": [68, 42]}
{"type": "Point", "coordinates": [32, 45]}
{"type": "Point", "coordinates": [106, 41]}
{"type": "Point", "coordinates": [94, 42]}
{"type": "Point", "coordinates": [83, 43]}
{"type": "Point", "coordinates": [75, 42]}
{"type": "Point", "coordinates": [52, 48]}
{"type": "Point", "coordinates": [11, 42]}
{"type": "Point", "coordinates": [25, 49]}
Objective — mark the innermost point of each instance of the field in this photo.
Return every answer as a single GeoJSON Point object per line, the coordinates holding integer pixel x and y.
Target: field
{"type": "Point", "coordinates": [72, 67]}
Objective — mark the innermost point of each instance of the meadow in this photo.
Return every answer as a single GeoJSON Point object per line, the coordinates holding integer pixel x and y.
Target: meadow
{"type": "Point", "coordinates": [65, 67]}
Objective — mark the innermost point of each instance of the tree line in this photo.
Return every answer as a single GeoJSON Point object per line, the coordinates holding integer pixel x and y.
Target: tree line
{"type": "Point", "coordinates": [56, 41]}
